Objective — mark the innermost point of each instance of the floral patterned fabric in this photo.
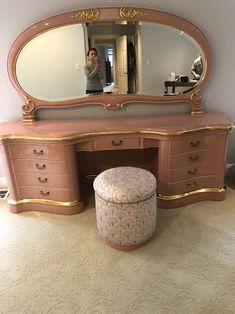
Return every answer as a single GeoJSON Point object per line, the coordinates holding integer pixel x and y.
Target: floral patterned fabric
{"type": "Point", "coordinates": [125, 184]}
{"type": "Point", "coordinates": [123, 219]}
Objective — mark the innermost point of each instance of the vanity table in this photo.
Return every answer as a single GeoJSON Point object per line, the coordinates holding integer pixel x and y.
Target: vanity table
{"type": "Point", "coordinates": [48, 162]}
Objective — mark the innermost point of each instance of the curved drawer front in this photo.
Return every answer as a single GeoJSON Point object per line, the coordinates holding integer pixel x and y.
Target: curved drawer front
{"type": "Point", "coordinates": [36, 151]}
{"type": "Point", "coordinates": [53, 181]}
{"type": "Point", "coordinates": [44, 193]}
{"type": "Point", "coordinates": [191, 185]}
{"type": "Point", "coordinates": [196, 142]}
{"type": "Point", "coordinates": [117, 143]}
{"type": "Point", "coordinates": [43, 166]}
{"type": "Point", "coordinates": [194, 158]}
{"type": "Point", "coordinates": [180, 174]}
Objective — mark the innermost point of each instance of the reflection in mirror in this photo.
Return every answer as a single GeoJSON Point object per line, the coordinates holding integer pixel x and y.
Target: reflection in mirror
{"type": "Point", "coordinates": [135, 58]}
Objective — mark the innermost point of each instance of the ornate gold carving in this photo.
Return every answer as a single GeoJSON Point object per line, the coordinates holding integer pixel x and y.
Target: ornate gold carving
{"type": "Point", "coordinates": [130, 13]}
{"type": "Point", "coordinates": [196, 98]}
{"type": "Point", "coordinates": [110, 107]}
{"type": "Point", "coordinates": [42, 201]}
{"type": "Point", "coordinates": [175, 197]}
{"type": "Point", "coordinates": [28, 111]}
{"type": "Point", "coordinates": [197, 103]}
{"type": "Point", "coordinates": [87, 15]}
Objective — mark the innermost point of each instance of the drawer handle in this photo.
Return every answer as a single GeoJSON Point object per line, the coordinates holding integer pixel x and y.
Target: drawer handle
{"type": "Point", "coordinates": [192, 184]}
{"type": "Point", "coordinates": [192, 172]}
{"type": "Point", "coordinates": [40, 167]}
{"type": "Point", "coordinates": [194, 158]}
{"type": "Point", "coordinates": [117, 143]}
{"type": "Point", "coordinates": [195, 144]}
{"type": "Point", "coordinates": [42, 180]}
{"type": "Point", "coordinates": [44, 193]}
{"type": "Point", "coordinates": [38, 152]}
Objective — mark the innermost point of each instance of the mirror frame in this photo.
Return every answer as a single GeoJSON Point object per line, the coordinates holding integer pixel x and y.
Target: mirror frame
{"type": "Point", "coordinates": [110, 101]}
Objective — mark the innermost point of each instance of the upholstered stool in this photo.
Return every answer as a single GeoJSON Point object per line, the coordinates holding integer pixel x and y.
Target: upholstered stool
{"type": "Point", "coordinates": [126, 206]}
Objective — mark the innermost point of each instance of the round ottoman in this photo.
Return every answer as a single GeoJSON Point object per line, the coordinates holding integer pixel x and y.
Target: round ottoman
{"type": "Point", "coordinates": [126, 208]}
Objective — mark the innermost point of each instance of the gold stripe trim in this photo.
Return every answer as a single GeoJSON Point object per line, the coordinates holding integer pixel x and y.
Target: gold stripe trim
{"type": "Point", "coordinates": [94, 133]}
{"type": "Point", "coordinates": [42, 201]}
{"type": "Point", "coordinates": [175, 197]}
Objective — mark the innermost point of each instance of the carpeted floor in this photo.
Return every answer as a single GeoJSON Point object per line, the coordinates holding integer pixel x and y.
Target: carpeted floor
{"type": "Point", "coordinates": [57, 264]}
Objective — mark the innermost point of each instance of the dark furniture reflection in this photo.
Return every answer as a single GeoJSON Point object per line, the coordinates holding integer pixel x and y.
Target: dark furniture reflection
{"type": "Point", "coordinates": [175, 84]}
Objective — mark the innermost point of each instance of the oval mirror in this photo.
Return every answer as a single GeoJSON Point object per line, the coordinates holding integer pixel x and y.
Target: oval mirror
{"type": "Point", "coordinates": [144, 55]}
{"type": "Point", "coordinates": [136, 58]}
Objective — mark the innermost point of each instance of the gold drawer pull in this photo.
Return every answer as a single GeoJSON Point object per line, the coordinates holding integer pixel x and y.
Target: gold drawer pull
{"type": "Point", "coordinates": [194, 158]}
{"type": "Point", "coordinates": [117, 143]}
{"type": "Point", "coordinates": [192, 184]}
{"type": "Point", "coordinates": [192, 172]}
{"type": "Point", "coordinates": [42, 180]}
{"type": "Point", "coordinates": [38, 152]}
{"type": "Point", "coordinates": [40, 167]}
{"type": "Point", "coordinates": [44, 193]}
{"type": "Point", "coordinates": [195, 144]}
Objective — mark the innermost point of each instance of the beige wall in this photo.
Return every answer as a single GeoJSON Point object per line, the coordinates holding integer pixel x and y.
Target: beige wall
{"type": "Point", "coordinates": [215, 19]}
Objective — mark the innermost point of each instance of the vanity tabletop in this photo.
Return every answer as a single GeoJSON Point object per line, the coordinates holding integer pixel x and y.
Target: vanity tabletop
{"type": "Point", "coordinates": [64, 129]}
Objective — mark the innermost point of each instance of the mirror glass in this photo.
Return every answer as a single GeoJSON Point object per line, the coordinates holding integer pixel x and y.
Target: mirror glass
{"type": "Point", "coordinates": [140, 58]}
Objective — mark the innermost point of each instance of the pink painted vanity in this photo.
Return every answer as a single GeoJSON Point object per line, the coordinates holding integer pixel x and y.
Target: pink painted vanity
{"type": "Point", "coordinates": [48, 163]}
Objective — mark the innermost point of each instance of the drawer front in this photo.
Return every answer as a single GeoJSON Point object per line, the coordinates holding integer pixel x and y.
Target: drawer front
{"type": "Point", "coordinates": [42, 166]}
{"type": "Point", "coordinates": [194, 158]}
{"type": "Point", "coordinates": [34, 179]}
{"type": "Point", "coordinates": [180, 174]}
{"type": "Point", "coordinates": [117, 143]}
{"type": "Point", "coordinates": [39, 152]}
{"type": "Point", "coordinates": [195, 143]}
{"type": "Point", "coordinates": [44, 193]}
{"type": "Point", "coordinates": [191, 185]}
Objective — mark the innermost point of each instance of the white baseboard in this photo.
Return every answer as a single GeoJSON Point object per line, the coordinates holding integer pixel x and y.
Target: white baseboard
{"type": "Point", "coordinates": [3, 183]}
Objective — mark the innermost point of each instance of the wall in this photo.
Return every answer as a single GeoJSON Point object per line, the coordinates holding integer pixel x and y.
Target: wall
{"type": "Point", "coordinates": [216, 22]}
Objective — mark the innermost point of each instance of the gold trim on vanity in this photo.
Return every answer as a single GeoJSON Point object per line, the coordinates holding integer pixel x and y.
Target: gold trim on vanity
{"type": "Point", "coordinates": [118, 132]}
{"type": "Point", "coordinates": [42, 201]}
{"type": "Point", "coordinates": [205, 190]}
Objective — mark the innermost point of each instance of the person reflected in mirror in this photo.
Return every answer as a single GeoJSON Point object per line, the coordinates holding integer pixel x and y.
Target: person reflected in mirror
{"type": "Point", "coordinates": [197, 68]}
{"type": "Point", "coordinates": [93, 73]}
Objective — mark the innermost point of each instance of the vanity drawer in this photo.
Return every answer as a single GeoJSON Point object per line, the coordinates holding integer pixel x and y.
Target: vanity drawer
{"type": "Point", "coordinates": [180, 174]}
{"type": "Point", "coordinates": [40, 152]}
{"type": "Point", "coordinates": [191, 185]}
{"type": "Point", "coordinates": [117, 143]}
{"type": "Point", "coordinates": [42, 167]}
{"type": "Point", "coordinates": [34, 179]}
{"type": "Point", "coordinates": [196, 142]}
{"type": "Point", "coordinates": [44, 193]}
{"type": "Point", "coordinates": [194, 158]}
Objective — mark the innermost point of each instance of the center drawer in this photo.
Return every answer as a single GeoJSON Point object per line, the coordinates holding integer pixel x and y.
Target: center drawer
{"type": "Point", "coordinates": [117, 143]}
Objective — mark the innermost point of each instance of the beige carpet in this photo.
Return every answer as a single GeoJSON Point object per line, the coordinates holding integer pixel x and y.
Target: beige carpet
{"type": "Point", "coordinates": [57, 264]}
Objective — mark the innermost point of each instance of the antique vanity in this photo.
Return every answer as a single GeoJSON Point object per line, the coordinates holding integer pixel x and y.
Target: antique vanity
{"type": "Point", "coordinates": [49, 162]}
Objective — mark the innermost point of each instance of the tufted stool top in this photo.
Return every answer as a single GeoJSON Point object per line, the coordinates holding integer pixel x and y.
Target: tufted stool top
{"type": "Point", "coordinates": [125, 185]}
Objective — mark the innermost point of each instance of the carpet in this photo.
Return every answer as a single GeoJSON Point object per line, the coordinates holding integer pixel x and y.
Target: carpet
{"type": "Point", "coordinates": [57, 264]}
